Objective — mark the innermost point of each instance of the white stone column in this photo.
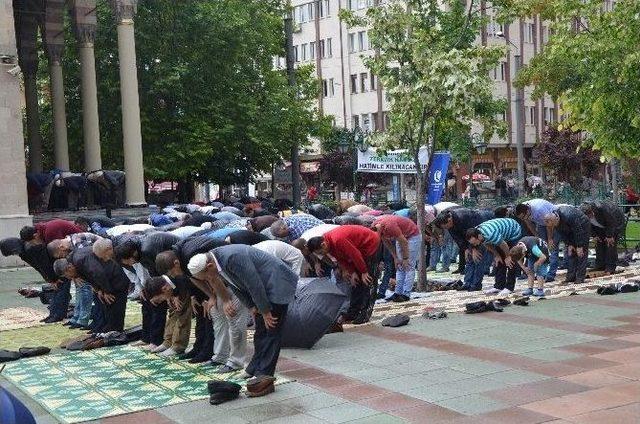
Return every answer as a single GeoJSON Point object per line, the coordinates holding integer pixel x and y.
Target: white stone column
{"type": "Point", "coordinates": [33, 119]}
{"type": "Point", "coordinates": [89, 95]}
{"type": "Point", "coordinates": [124, 11]}
{"type": "Point", "coordinates": [60, 146]}
{"type": "Point", "coordinates": [14, 213]}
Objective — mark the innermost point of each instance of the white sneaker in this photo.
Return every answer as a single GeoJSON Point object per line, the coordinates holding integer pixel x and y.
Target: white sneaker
{"type": "Point", "coordinates": [160, 348]}
{"type": "Point", "coordinates": [138, 343]}
{"type": "Point", "coordinates": [492, 291]}
{"type": "Point", "coordinates": [168, 352]}
{"type": "Point", "coordinates": [505, 292]}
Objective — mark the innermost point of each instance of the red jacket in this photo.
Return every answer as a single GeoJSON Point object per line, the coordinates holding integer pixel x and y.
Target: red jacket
{"type": "Point", "coordinates": [56, 229]}
{"type": "Point", "coordinates": [351, 245]}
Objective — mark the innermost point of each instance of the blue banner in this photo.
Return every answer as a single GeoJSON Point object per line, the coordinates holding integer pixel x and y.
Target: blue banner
{"type": "Point", "coordinates": [437, 177]}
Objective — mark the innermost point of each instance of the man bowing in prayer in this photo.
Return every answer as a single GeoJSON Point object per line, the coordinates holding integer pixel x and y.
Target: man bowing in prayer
{"type": "Point", "coordinates": [265, 285]}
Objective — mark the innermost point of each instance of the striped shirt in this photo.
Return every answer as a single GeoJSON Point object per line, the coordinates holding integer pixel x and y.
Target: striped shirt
{"type": "Point", "coordinates": [495, 231]}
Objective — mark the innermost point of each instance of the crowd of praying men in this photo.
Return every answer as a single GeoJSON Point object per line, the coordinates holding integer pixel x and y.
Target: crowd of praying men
{"type": "Point", "coordinates": [228, 267]}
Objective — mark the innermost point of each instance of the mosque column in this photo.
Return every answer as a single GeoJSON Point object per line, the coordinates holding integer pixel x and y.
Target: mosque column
{"type": "Point", "coordinates": [60, 146]}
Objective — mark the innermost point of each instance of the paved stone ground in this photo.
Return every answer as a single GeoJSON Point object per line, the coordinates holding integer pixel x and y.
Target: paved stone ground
{"type": "Point", "coordinates": [572, 359]}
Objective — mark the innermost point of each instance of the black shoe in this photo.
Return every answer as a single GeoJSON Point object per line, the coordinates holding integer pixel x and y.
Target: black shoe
{"type": "Point", "coordinates": [68, 323]}
{"type": "Point", "coordinates": [186, 356]}
{"type": "Point", "coordinates": [392, 298]}
{"type": "Point", "coordinates": [198, 359]}
{"type": "Point", "coordinates": [85, 327]}
{"type": "Point", "coordinates": [549, 279]}
{"type": "Point", "coordinates": [75, 326]}
{"type": "Point", "coordinates": [401, 298]}
{"type": "Point", "coordinates": [458, 271]}
{"type": "Point", "coordinates": [45, 319]}
{"type": "Point", "coordinates": [463, 288]}
{"type": "Point", "coordinates": [472, 289]}
{"type": "Point", "coordinates": [52, 320]}
{"type": "Point", "coordinates": [380, 296]}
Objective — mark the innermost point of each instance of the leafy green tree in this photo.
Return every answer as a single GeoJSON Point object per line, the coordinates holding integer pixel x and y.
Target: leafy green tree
{"type": "Point", "coordinates": [592, 66]}
{"type": "Point", "coordinates": [435, 76]}
{"type": "Point", "coordinates": [213, 107]}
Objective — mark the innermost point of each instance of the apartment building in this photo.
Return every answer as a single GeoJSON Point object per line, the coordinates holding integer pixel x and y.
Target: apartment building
{"type": "Point", "coordinates": [354, 97]}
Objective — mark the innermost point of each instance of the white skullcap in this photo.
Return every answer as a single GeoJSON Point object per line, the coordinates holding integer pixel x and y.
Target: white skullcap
{"type": "Point", "coordinates": [197, 263]}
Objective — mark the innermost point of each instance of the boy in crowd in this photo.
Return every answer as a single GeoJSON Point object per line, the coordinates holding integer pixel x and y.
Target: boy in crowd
{"type": "Point", "coordinates": [532, 255]}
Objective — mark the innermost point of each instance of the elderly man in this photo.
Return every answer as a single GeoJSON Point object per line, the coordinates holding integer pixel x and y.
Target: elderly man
{"type": "Point", "coordinates": [62, 247]}
{"type": "Point", "coordinates": [263, 284]}
{"type": "Point", "coordinates": [260, 223]}
{"type": "Point", "coordinates": [96, 266]}
{"type": "Point", "coordinates": [607, 223]}
{"type": "Point", "coordinates": [499, 236]}
{"type": "Point", "coordinates": [292, 227]}
{"type": "Point", "coordinates": [457, 221]}
{"type": "Point", "coordinates": [532, 213]}
{"type": "Point", "coordinates": [358, 252]}
{"type": "Point", "coordinates": [574, 228]}
{"type": "Point", "coordinates": [402, 239]}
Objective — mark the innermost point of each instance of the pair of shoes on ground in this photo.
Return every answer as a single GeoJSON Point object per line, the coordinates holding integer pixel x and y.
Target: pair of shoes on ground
{"type": "Point", "coordinates": [260, 386]}
{"type": "Point", "coordinates": [398, 298]}
{"type": "Point", "coordinates": [533, 292]}
{"type": "Point", "coordinates": [493, 290]}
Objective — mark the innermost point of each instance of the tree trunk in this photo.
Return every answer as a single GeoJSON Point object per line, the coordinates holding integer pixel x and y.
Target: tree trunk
{"type": "Point", "coordinates": [420, 201]}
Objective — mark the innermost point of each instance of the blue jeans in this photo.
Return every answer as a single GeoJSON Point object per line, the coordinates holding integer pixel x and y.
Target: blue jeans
{"type": "Point", "coordinates": [553, 259]}
{"type": "Point", "coordinates": [543, 270]}
{"type": "Point", "coordinates": [84, 299]}
{"type": "Point", "coordinates": [389, 271]}
{"type": "Point", "coordinates": [406, 277]}
{"type": "Point", "coordinates": [474, 271]}
{"type": "Point", "coordinates": [449, 251]}
{"type": "Point", "coordinates": [97, 314]}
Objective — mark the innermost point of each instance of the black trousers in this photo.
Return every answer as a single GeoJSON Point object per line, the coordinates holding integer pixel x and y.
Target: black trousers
{"type": "Point", "coordinates": [363, 297]}
{"type": "Point", "coordinates": [577, 266]}
{"type": "Point", "coordinates": [153, 322]}
{"type": "Point", "coordinates": [203, 344]}
{"type": "Point", "coordinates": [266, 343]}
{"type": "Point", "coordinates": [114, 313]}
{"type": "Point", "coordinates": [607, 256]}
{"type": "Point", "coordinates": [97, 315]}
{"type": "Point", "coordinates": [505, 277]}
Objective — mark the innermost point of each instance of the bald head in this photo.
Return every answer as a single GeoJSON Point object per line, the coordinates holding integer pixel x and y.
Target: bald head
{"type": "Point", "coordinates": [103, 249]}
{"type": "Point", "coordinates": [59, 248]}
{"type": "Point", "coordinates": [280, 229]}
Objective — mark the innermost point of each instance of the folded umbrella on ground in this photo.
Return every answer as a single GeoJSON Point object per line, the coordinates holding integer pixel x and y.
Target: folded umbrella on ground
{"type": "Point", "coordinates": [222, 391]}
{"type": "Point", "coordinates": [9, 355]}
{"type": "Point", "coordinates": [29, 352]}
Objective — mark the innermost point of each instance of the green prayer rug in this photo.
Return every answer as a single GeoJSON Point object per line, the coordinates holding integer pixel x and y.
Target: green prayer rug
{"type": "Point", "coordinates": [106, 382]}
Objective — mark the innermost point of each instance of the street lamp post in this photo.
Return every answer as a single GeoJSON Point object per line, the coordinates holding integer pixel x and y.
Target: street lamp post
{"type": "Point", "coordinates": [519, 121]}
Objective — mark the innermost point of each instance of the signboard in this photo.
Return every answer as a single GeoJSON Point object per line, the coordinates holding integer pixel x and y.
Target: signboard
{"type": "Point", "coordinates": [437, 177]}
{"type": "Point", "coordinates": [393, 162]}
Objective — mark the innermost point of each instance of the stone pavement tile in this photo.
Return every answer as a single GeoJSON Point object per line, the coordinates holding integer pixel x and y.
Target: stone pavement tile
{"type": "Point", "coordinates": [358, 392]}
{"type": "Point", "coordinates": [413, 367]}
{"type": "Point", "coordinates": [264, 412]}
{"type": "Point", "coordinates": [305, 374]}
{"type": "Point", "coordinates": [331, 382]}
{"type": "Point", "coordinates": [443, 375]}
{"type": "Point", "coordinates": [633, 338]}
{"type": "Point", "coordinates": [454, 389]}
{"type": "Point", "coordinates": [473, 404]}
{"type": "Point", "coordinates": [402, 383]}
{"type": "Point", "coordinates": [595, 378]}
{"type": "Point", "coordinates": [582, 403]}
{"type": "Point", "coordinates": [623, 356]}
{"type": "Point", "coordinates": [198, 411]}
{"type": "Point", "coordinates": [144, 417]}
{"type": "Point", "coordinates": [343, 412]}
{"type": "Point", "coordinates": [371, 374]}
{"type": "Point", "coordinates": [553, 369]}
{"type": "Point", "coordinates": [283, 392]}
{"type": "Point", "coordinates": [313, 401]}
{"type": "Point", "coordinates": [515, 377]}
{"type": "Point", "coordinates": [590, 362]}
{"type": "Point", "coordinates": [431, 414]}
{"type": "Point", "coordinates": [631, 371]}
{"type": "Point", "coordinates": [475, 367]}
{"type": "Point", "coordinates": [391, 402]}
{"type": "Point", "coordinates": [378, 419]}
{"type": "Point", "coordinates": [292, 419]}
{"type": "Point", "coordinates": [527, 393]}
{"type": "Point", "coordinates": [513, 415]}
{"type": "Point", "coordinates": [551, 354]}
{"type": "Point", "coordinates": [628, 414]}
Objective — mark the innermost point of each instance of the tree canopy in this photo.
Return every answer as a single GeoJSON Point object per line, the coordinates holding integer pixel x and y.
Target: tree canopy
{"type": "Point", "coordinates": [592, 66]}
{"type": "Point", "coordinates": [213, 107]}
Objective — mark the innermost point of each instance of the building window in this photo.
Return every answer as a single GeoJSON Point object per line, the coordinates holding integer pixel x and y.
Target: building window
{"type": "Point", "coordinates": [503, 71]}
{"type": "Point", "coordinates": [532, 115]}
{"type": "Point", "coordinates": [363, 41]}
{"type": "Point", "coordinates": [366, 122]}
{"type": "Point", "coordinates": [332, 87]}
{"type": "Point", "coordinates": [295, 53]}
{"type": "Point", "coordinates": [494, 29]}
{"type": "Point", "coordinates": [363, 81]}
{"type": "Point", "coordinates": [311, 11]}
{"type": "Point", "coordinates": [352, 43]}
{"type": "Point", "coordinates": [356, 121]}
{"type": "Point", "coordinates": [325, 11]}
{"type": "Point", "coordinates": [545, 34]}
{"type": "Point", "coordinates": [329, 50]}
{"type": "Point", "coordinates": [354, 83]}
{"type": "Point", "coordinates": [374, 121]}
{"type": "Point", "coordinates": [303, 52]}
{"type": "Point", "coordinates": [312, 50]}
{"type": "Point", "coordinates": [321, 49]}
{"type": "Point", "coordinates": [325, 88]}
{"type": "Point", "coordinates": [502, 116]}
{"type": "Point", "coordinates": [359, 4]}
{"type": "Point", "coordinates": [372, 81]}
{"type": "Point", "coordinates": [529, 33]}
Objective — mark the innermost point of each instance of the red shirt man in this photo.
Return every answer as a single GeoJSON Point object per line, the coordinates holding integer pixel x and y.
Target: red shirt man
{"type": "Point", "coordinates": [351, 246]}
{"type": "Point", "coordinates": [48, 231]}
{"type": "Point", "coordinates": [394, 228]}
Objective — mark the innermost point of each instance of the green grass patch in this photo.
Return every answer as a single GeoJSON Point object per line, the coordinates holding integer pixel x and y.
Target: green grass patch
{"type": "Point", "coordinates": [633, 231]}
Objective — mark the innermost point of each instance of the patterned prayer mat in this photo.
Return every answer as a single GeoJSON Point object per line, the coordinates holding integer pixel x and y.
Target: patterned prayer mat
{"type": "Point", "coordinates": [21, 317]}
{"type": "Point", "coordinates": [51, 335]}
{"type": "Point", "coordinates": [105, 382]}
